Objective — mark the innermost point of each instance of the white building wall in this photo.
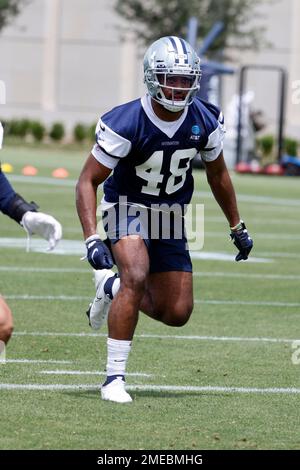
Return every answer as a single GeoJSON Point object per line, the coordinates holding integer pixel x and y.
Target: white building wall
{"type": "Point", "coordinates": [66, 60]}
{"type": "Point", "coordinates": [293, 105]}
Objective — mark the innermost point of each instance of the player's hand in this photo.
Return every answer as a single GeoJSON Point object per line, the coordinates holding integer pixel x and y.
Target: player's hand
{"type": "Point", "coordinates": [44, 225]}
{"type": "Point", "coordinates": [98, 254]}
{"type": "Point", "coordinates": [242, 241]}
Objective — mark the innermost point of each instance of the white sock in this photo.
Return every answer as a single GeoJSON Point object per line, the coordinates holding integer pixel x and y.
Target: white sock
{"type": "Point", "coordinates": [112, 286]}
{"type": "Point", "coordinates": [115, 287]}
{"type": "Point", "coordinates": [117, 355]}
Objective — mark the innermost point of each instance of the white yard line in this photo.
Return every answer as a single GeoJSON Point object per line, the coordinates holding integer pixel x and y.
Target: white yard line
{"type": "Point", "coordinates": [156, 388]}
{"type": "Point", "coordinates": [260, 235]}
{"type": "Point", "coordinates": [202, 194]}
{"type": "Point", "coordinates": [288, 277]}
{"type": "Point", "coordinates": [210, 255]}
{"type": "Point", "coordinates": [89, 372]}
{"type": "Point", "coordinates": [45, 270]}
{"type": "Point", "coordinates": [46, 297]}
{"type": "Point", "coordinates": [229, 255]}
{"type": "Point", "coordinates": [42, 180]}
{"type": "Point", "coordinates": [36, 361]}
{"type": "Point", "coordinates": [279, 254]}
{"type": "Point", "coordinates": [255, 199]}
{"type": "Point", "coordinates": [245, 302]}
{"type": "Point", "coordinates": [197, 301]}
{"type": "Point", "coordinates": [64, 247]}
{"type": "Point", "coordinates": [76, 247]}
{"type": "Point", "coordinates": [257, 220]}
{"type": "Point", "coordinates": [52, 333]}
{"type": "Point", "coordinates": [167, 337]}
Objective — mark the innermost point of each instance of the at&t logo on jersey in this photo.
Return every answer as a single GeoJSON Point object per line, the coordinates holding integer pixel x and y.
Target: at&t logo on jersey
{"type": "Point", "coordinates": [195, 133]}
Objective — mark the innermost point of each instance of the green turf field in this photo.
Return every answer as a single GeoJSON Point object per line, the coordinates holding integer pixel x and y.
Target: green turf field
{"type": "Point", "coordinates": [226, 380]}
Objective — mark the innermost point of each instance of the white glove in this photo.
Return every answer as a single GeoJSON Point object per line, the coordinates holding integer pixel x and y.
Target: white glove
{"type": "Point", "coordinates": [44, 225]}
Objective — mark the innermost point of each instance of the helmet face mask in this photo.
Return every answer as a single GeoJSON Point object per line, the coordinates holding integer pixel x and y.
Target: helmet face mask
{"type": "Point", "coordinates": [172, 73]}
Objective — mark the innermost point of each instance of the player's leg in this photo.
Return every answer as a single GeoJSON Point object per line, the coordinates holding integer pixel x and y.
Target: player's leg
{"type": "Point", "coordinates": [175, 307]}
{"type": "Point", "coordinates": [117, 222]}
{"type": "Point", "coordinates": [169, 296]}
{"type": "Point", "coordinates": [6, 321]}
{"type": "Point", "coordinates": [132, 259]}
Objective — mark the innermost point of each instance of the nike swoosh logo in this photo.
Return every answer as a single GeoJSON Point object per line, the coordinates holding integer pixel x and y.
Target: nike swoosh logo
{"type": "Point", "coordinates": [94, 253]}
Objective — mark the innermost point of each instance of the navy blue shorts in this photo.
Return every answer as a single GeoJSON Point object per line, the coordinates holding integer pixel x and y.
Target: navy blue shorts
{"type": "Point", "coordinates": [163, 234]}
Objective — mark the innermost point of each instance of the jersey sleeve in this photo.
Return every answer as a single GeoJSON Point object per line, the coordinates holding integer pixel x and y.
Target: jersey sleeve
{"type": "Point", "coordinates": [214, 144]}
{"type": "Point", "coordinates": [110, 147]}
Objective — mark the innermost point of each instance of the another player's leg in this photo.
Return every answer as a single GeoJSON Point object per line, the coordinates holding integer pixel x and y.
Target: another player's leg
{"type": "Point", "coordinates": [132, 260]}
{"type": "Point", "coordinates": [6, 321]}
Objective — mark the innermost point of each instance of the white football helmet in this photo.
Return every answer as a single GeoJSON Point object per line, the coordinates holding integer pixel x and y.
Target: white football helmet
{"type": "Point", "coordinates": [167, 56]}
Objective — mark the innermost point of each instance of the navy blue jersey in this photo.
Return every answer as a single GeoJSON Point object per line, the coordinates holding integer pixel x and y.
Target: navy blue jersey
{"type": "Point", "coordinates": [151, 158]}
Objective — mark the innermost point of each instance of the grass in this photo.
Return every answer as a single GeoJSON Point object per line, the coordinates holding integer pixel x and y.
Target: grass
{"type": "Point", "coordinates": [227, 352]}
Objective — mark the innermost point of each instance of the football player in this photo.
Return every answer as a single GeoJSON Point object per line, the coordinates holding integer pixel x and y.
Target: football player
{"type": "Point", "coordinates": [25, 213]}
{"type": "Point", "coordinates": [33, 222]}
{"type": "Point", "coordinates": [143, 152]}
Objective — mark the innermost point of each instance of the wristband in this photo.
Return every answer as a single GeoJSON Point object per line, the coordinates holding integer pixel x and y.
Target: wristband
{"type": "Point", "coordinates": [92, 238]}
{"type": "Point", "coordinates": [237, 227]}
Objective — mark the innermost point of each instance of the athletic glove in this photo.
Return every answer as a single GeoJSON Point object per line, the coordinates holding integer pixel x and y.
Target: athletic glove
{"type": "Point", "coordinates": [240, 237]}
{"type": "Point", "coordinates": [98, 254]}
{"type": "Point", "coordinates": [44, 225]}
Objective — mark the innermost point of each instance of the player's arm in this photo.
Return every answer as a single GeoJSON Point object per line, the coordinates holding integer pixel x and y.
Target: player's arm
{"type": "Point", "coordinates": [26, 214]}
{"type": "Point", "coordinates": [222, 188]}
{"type": "Point", "coordinates": [109, 148]}
{"type": "Point", "coordinates": [223, 191]}
{"type": "Point", "coordinates": [92, 175]}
